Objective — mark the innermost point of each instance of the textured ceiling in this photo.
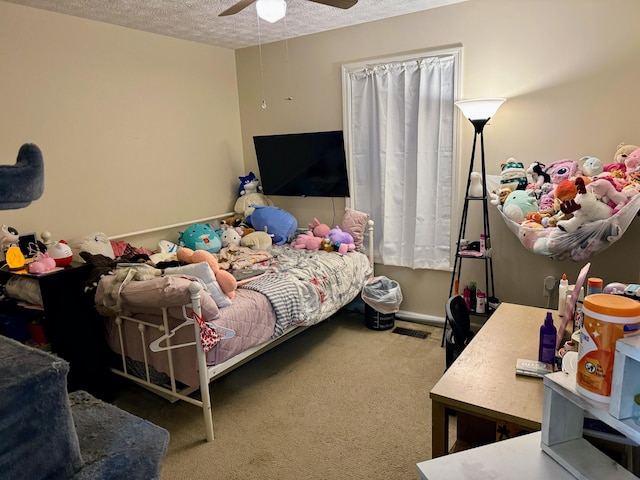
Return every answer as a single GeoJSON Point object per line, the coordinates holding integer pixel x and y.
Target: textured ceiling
{"type": "Point", "coordinates": [198, 20]}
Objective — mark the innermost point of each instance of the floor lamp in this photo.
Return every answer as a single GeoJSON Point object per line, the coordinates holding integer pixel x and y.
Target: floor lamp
{"type": "Point", "coordinates": [478, 111]}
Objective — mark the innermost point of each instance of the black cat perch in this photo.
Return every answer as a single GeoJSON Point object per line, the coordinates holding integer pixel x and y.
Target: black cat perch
{"type": "Point", "coordinates": [22, 183]}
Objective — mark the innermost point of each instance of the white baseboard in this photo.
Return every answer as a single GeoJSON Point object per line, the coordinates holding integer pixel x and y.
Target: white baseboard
{"type": "Point", "coordinates": [420, 318]}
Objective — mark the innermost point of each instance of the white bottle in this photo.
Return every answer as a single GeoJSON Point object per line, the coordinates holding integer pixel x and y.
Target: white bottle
{"type": "Point", "coordinates": [562, 294]}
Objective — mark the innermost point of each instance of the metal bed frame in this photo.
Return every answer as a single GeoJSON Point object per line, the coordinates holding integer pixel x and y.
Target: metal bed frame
{"type": "Point", "coordinates": [206, 373]}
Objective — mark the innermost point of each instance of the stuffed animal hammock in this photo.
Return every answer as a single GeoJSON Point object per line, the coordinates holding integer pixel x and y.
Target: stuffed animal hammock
{"type": "Point", "coordinates": [589, 238]}
{"type": "Point", "coordinates": [22, 183]}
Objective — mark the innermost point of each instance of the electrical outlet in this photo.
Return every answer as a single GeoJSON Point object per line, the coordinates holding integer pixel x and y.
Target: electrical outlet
{"type": "Point", "coordinates": [548, 286]}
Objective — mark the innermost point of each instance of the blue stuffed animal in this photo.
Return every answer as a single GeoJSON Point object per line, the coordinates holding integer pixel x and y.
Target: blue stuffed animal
{"type": "Point", "coordinates": [273, 220]}
{"type": "Point", "coordinates": [200, 236]}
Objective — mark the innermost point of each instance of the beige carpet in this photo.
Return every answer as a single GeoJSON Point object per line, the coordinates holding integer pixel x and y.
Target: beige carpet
{"type": "Point", "coordinates": [338, 401]}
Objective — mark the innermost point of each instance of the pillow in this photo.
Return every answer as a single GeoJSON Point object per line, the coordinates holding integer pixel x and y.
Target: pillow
{"type": "Point", "coordinates": [355, 223]}
{"type": "Point", "coordinates": [147, 295]}
{"type": "Point", "coordinates": [202, 271]}
{"type": "Point", "coordinates": [94, 243]}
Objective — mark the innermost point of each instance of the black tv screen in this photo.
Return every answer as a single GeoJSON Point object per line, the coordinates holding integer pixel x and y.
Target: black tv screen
{"type": "Point", "coordinates": [303, 164]}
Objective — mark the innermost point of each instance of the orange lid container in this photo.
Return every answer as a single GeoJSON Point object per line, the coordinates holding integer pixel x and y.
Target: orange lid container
{"type": "Point", "coordinates": [595, 282]}
{"type": "Point", "coordinates": [612, 305]}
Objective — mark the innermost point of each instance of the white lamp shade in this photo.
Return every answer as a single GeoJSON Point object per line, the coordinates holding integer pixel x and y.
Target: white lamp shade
{"type": "Point", "coordinates": [480, 108]}
{"type": "Point", "coordinates": [271, 10]}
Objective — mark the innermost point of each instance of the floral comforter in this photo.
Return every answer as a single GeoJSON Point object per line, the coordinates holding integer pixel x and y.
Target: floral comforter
{"type": "Point", "coordinates": [305, 287]}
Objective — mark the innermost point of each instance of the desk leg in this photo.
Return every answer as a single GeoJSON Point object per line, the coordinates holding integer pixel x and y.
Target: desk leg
{"type": "Point", "coordinates": [439, 429]}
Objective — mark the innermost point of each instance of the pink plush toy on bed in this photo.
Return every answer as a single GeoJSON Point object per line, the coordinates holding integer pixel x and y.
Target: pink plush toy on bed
{"type": "Point", "coordinates": [319, 229]}
{"type": "Point", "coordinates": [307, 241]}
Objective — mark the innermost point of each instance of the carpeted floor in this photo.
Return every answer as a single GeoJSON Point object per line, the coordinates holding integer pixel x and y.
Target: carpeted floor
{"type": "Point", "coordinates": [338, 401]}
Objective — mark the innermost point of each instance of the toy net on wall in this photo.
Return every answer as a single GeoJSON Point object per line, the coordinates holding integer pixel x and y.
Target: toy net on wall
{"type": "Point", "coordinates": [589, 239]}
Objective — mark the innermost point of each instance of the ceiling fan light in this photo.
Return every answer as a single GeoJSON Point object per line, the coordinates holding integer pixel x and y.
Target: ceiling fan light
{"type": "Point", "coordinates": [271, 10]}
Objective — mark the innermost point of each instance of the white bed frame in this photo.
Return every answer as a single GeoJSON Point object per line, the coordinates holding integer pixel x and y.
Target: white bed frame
{"type": "Point", "coordinates": [206, 374]}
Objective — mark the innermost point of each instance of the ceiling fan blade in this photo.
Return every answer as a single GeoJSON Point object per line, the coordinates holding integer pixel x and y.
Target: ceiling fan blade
{"type": "Point", "coordinates": [241, 5]}
{"type": "Point", "coordinates": [337, 3]}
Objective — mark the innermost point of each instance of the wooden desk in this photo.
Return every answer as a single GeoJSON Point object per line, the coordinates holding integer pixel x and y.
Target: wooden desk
{"type": "Point", "coordinates": [481, 385]}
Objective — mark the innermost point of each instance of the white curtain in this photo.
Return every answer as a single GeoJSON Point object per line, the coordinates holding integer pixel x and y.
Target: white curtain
{"type": "Point", "coordinates": [400, 132]}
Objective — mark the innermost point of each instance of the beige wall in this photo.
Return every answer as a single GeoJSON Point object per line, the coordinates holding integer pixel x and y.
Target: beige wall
{"type": "Point", "coordinates": [569, 69]}
{"type": "Point", "coordinates": [140, 130]}
{"type": "Point", "coordinates": [137, 130]}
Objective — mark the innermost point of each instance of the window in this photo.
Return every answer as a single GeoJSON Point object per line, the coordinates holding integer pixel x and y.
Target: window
{"type": "Point", "coordinates": [399, 137]}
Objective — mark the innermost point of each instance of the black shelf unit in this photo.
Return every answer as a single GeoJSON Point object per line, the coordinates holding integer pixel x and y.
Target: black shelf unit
{"type": "Point", "coordinates": [486, 257]}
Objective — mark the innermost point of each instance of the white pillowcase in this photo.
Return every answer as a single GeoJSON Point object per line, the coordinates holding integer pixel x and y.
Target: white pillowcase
{"type": "Point", "coordinates": [202, 272]}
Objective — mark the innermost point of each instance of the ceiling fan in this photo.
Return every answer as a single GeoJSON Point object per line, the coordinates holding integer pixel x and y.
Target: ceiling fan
{"type": "Point", "coordinates": [242, 4]}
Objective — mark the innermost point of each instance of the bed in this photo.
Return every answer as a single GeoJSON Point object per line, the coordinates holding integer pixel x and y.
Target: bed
{"type": "Point", "coordinates": [171, 336]}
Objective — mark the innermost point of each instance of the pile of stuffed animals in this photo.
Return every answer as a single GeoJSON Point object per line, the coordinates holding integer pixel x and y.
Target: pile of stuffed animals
{"type": "Point", "coordinates": [321, 237]}
{"type": "Point", "coordinates": [568, 194]}
{"type": "Point", "coordinates": [554, 195]}
{"type": "Point", "coordinates": [258, 224]}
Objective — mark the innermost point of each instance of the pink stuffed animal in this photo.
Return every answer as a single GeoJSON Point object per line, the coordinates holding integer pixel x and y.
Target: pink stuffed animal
{"type": "Point", "coordinates": [319, 229]}
{"type": "Point", "coordinates": [43, 264]}
{"type": "Point", "coordinates": [632, 162]}
{"type": "Point", "coordinates": [343, 241]}
{"type": "Point", "coordinates": [307, 241]}
{"type": "Point", "coordinates": [607, 193]}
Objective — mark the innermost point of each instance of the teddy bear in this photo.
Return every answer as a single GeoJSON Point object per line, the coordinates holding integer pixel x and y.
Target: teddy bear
{"type": "Point", "coordinates": [589, 209]}
{"type": "Point", "coordinates": [620, 157]}
{"type": "Point", "coordinates": [227, 282]}
{"type": "Point", "coordinates": [307, 241]}
{"type": "Point", "coordinates": [343, 241]}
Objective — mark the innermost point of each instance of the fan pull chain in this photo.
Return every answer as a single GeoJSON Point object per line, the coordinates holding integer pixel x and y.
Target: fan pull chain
{"type": "Point", "coordinates": [286, 44]}
{"type": "Point", "coordinates": [264, 101]}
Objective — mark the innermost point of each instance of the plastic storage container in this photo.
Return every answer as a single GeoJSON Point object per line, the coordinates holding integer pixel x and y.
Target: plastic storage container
{"type": "Point", "coordinates": [606, 319]}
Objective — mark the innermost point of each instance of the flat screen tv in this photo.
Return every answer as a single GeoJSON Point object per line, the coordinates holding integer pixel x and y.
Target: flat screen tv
{"type": "Point", "coordinates": [303, 164]}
